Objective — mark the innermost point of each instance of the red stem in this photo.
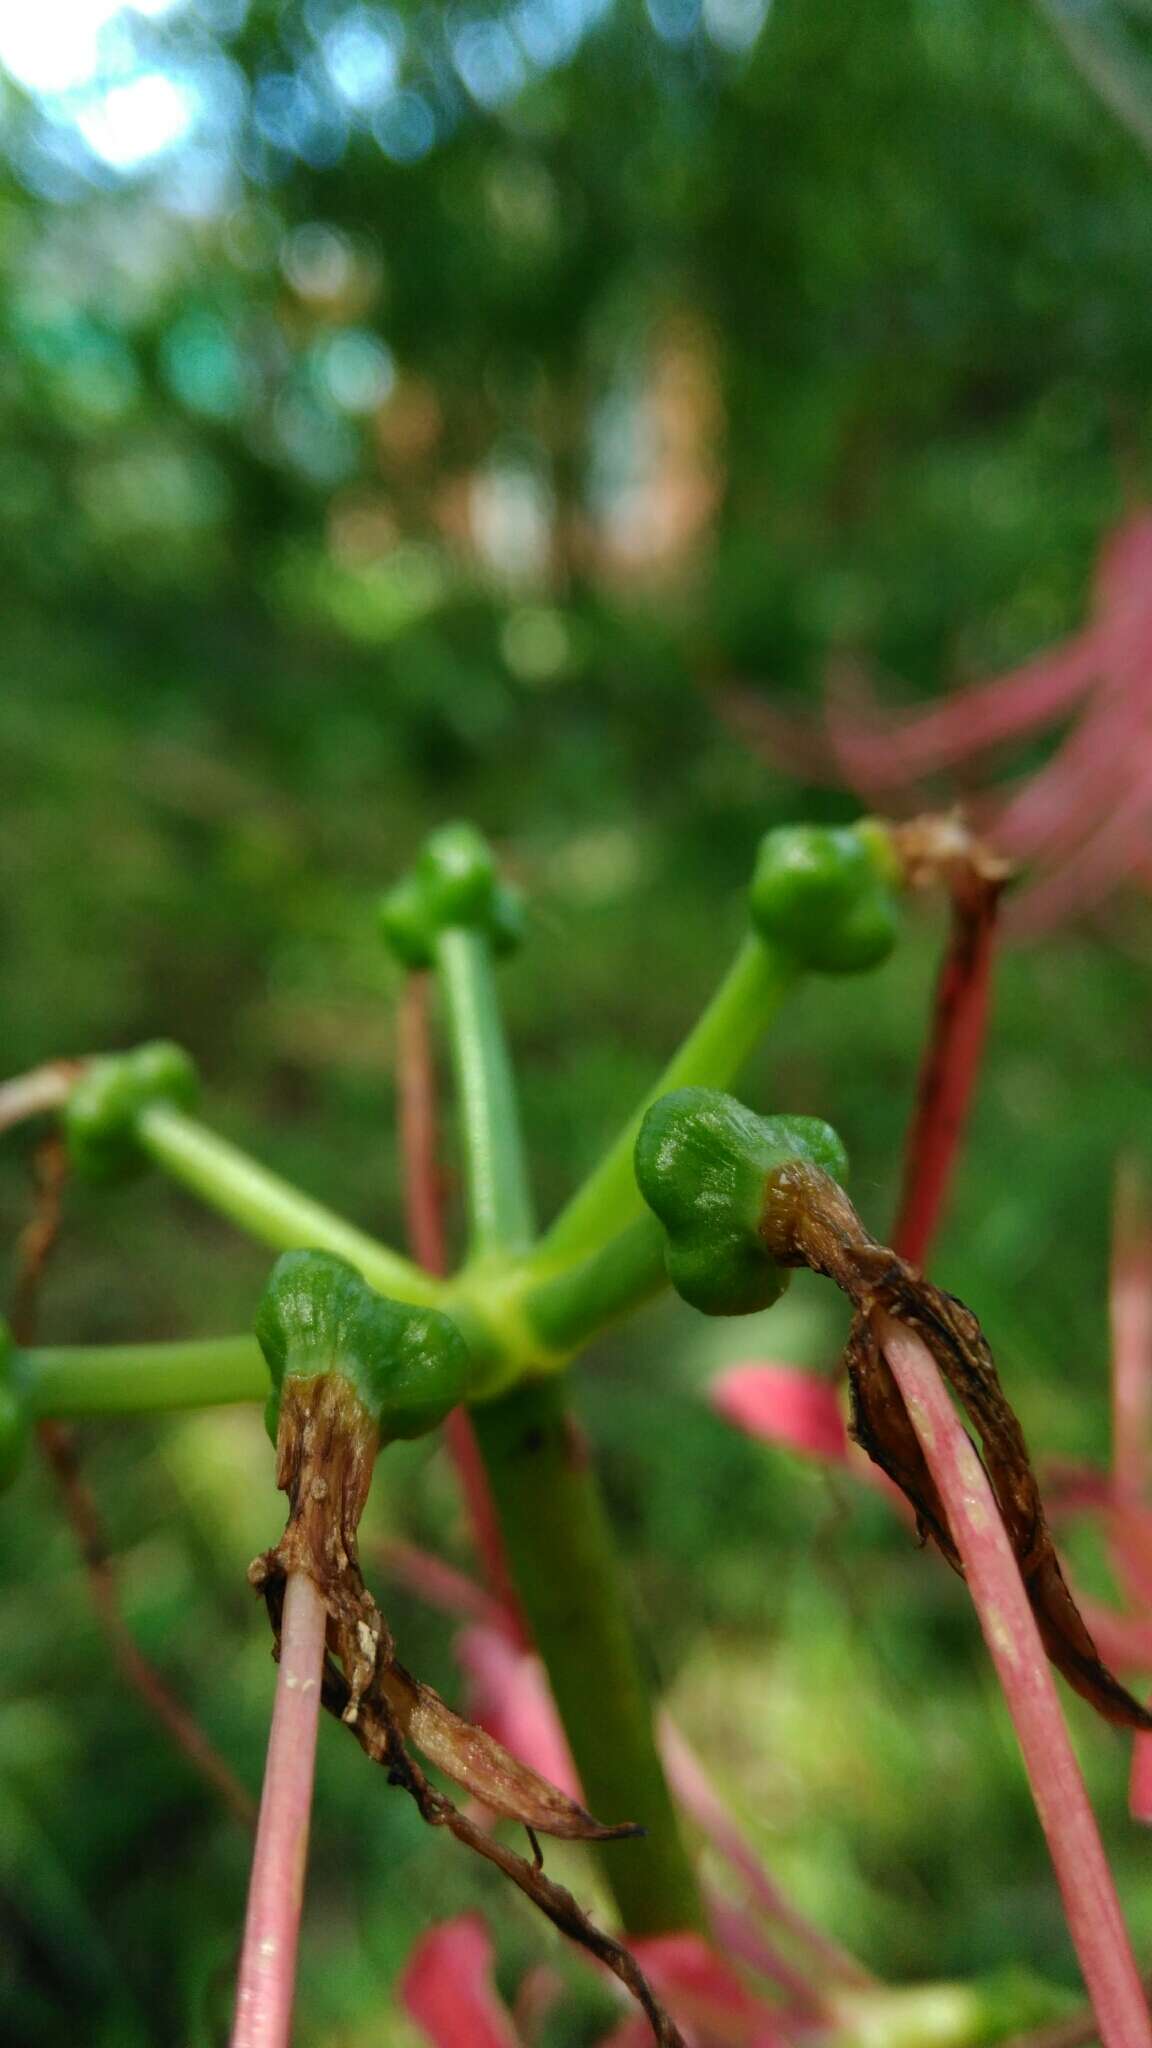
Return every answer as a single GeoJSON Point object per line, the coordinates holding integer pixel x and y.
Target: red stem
{"type": "Point", "coordinates": [59, 1447]}
{"type": "Point", "coordinates": [419, 1127]}
{"type": "Point", "coordinates": [427, 1238]}
{"type": "Point", "coordinates": [949, 1067]}
{"type": "Point", "coordinates": [1091, 1907]}
{"type": "Point", "coordinates": [267, 1985]}
{"type": "Point", "coordinates": [37, 1243]}
{"type": "Point", "coordinates": [1130, 1303]}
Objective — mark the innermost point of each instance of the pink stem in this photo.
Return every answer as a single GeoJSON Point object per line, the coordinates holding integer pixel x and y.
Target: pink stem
{"type": "Point", "coordinates": [1130, 1302]}
{"type": "Point", "coordinates": [419, 1128]}
{"type": "Point", "coordinates": [441, 1586]}
{"type": "Point", "coordinates": [1090, 1903]}
{"type": "Point", "coordinates": [739, 1940]}
{"type": "Point", "coordinates": [699, 1798]}
{"type": "Point", "coordinates": [267, 1983]}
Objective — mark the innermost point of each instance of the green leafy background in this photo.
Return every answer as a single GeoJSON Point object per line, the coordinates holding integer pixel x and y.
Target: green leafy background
{"type": "Point", "coordinates": [913, 250]}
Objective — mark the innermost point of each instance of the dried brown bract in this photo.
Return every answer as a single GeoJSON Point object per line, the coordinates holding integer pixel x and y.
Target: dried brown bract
{"type": "Point", "coordinates": [939, 847]}
{"type": "Point", "coordinates": [326, 1448]}
{"type": "Point", "coordinates": [809, 1221]}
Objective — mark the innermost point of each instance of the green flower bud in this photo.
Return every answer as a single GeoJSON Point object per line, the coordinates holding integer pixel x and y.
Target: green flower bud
{"type": "Point", "coordinates": [15, 1422]}
{"type": "Point", "coordinates": [454, 883]}
{"type": "Point", "coordinates": [409, 1366]}
{"type": "Point", "coordinates": [825, 894]}
{"type": "Point", "coordinates": [703, 1162]}
{"type": "Point", "coordinates": [101, 1114]}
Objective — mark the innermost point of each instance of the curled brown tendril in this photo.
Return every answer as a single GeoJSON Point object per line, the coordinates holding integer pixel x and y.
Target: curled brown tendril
{"type": "Point", "coordinates": [809, 1221]}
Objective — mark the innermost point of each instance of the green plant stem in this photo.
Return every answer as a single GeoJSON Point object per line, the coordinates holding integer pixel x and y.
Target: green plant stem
{"type": "Point", "coordinates": [566, 1308]}
{"type": "Point", "coordinates": [567, 1574]}
{"type": "Point", "coordinates": [552, 1520]}
{"type": "Point", "coordinates": [131, 1379]}
{"type": "Point", "coordinates": [269, 1208]}
{"type": "Point", "coordinates": [713, 1052]}
{"type": "Point", "coordinates": [498, 1195]}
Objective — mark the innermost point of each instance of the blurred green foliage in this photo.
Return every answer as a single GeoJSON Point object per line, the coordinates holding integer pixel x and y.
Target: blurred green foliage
{"type": "Point", "coordinates": [322, 518]}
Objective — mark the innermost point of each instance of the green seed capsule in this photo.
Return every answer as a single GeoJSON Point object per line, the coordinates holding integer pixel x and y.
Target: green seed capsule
{"type": "Point", "coordinates": [101, 1113]}
{"type": "Point", "coordinates": [409, 1366]}
{"type": "Point", "coordinates": [405, 924]}
{"type": "Point", "coordinates": [702, 1164]}
{"type": "Point", "coordinates": [454, 883]}
{"type": "Point", "coordinates": [825, 894]}
{"type": "Point", "coordinates": [457, 871]}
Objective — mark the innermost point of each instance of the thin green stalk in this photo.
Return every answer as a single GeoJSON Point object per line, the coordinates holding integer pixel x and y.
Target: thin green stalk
{"type": "Point", "coordinates": [713, 1052]}
{"type": "Point", "coordinates": [498, 1195]}
{"type": "Point", "coordinates": [269, 1208]}
{"type": "Point", "coordinates": [567, 1574]}
{"type": "Point", "coordinates": [134, 1379]}
{"type": "Point", "coordinates": [552, 1520]}
{"type": "Point", "coordinates": [568, 1307]}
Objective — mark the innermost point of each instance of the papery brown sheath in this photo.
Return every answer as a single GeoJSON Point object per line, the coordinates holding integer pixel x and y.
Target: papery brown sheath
{"type": "Point", "coordinates": [809, 1221]}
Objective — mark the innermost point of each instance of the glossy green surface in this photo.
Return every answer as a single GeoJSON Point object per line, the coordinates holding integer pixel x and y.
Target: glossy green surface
{"type": "Point", "coordinates": [702, 1162]}
{"type": "Point", "coordinates": [824, 894]}
{"type": "Point", "coordinates": [409, 1366]}
{"type": "Point", "coordinates": [454, 885]}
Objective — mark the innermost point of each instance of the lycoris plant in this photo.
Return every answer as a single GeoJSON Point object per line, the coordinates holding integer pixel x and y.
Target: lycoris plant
{"type": "Point", "coordinates": [356, 1346]}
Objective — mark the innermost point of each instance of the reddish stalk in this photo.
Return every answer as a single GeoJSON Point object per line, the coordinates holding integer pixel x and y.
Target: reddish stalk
{"type": "Point", "coordinates": [427, 1239]}
{"type": "Point", "coordinates": [737, 1938]}
{"type": "Point", "coordinates": [59, 1447]}
{"type": "Point", "coordinates": [699, 1798]}
{"type": "Point", "coordinates": [951, 1060]}
{"type": "Point", "coordinates": [440, 1585]}
{"type": "Point", "coordinates": [1130, 1305]}
{"type": "Point", "coordinates": [58, 1444]}
{"type": "Point", "coordinates": [1091, 1906]}
{"type": "Point", "coordinates": [267, 1981]}
{"type": "Point", "coordinates": [420, 1127]}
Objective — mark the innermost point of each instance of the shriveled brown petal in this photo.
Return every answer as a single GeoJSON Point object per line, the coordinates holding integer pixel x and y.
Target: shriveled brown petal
{"type": "Point", "coordinates": [475, 1760]}
{"type": "Point", "coordinates": [808, 1220]}
{"type": "Point", "coordinates": [325, 1447]}
{"type": "Point", "coordinates": [380, 1731]}
{"type": "Point", "coordinates": [557, 1904]}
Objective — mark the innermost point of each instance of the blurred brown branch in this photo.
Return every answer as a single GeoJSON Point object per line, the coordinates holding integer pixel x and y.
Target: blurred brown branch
{"type": "Point", "coordinates": [37, 1242]}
